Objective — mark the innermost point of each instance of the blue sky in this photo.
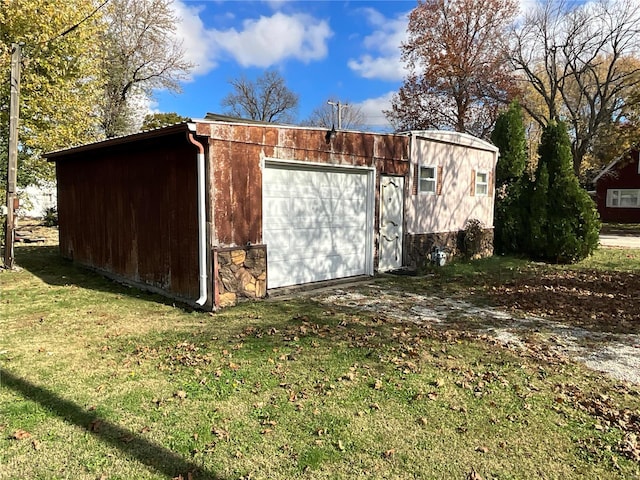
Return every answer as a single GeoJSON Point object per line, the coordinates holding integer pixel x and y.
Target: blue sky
{"type": "Point", "coordinates": [342, 49]}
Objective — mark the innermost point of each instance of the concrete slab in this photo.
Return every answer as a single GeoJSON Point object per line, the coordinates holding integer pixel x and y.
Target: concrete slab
{"type": "Point", "coordinates": [622, 241]}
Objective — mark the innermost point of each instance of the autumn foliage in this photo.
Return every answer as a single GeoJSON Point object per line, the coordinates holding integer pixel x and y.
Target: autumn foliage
{"type": "Point", "coordinates": [459, 75]}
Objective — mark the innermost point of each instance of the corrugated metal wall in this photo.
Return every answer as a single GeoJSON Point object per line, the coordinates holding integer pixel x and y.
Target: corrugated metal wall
{"type": "Point", "coordinates": [130, 210]}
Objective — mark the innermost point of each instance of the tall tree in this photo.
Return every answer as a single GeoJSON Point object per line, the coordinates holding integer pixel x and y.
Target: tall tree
{"type": "Point", "coordinates": [325, 115]}
{"type": "Point", "coordinates": [509, 136]}
{"type": "Point", "coordinates": [509, 217]}
{"type": "Point", "coordinates": [267, 99]}
{"type": "Point", "coordinates": [563, 221]}
{"type": "Point", "coordinates": [60, 79]}
{"type": "Point", "coordinates": [577, 58]}
{"type": "Point", "coordinates": [141, 53]}
{"type": "Point", "coordinates": [459, 75]}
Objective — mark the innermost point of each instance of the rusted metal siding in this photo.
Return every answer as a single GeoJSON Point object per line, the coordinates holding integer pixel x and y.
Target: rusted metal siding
{"type": "Point", "coordinates": [236, 153]}
{"type": "Point", "coordinates": [130, 210]}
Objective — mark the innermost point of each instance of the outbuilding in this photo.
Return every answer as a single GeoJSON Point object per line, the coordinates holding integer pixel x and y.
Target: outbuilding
{"type": "Point", "coordinates": [618, 189]}
{"type": "Point", "coordinates": [211, 210]}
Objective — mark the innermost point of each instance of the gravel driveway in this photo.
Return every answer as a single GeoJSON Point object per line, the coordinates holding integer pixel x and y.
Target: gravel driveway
{"type": "Point", "coordinates": [616, 354]}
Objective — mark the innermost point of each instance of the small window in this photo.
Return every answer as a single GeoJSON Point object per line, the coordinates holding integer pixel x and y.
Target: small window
{"type": "Point", "coordinates": [482, 184]}
{"type": "Point", "coordinates": [623, 198]}
{"type": "Point", "coordinates": [428, 179]}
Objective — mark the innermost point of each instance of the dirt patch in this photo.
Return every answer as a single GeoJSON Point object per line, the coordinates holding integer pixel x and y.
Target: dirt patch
{"type": "Point", "coordinates": [614, 353]}
{"type": "Point", "coordinates": [31, 230]}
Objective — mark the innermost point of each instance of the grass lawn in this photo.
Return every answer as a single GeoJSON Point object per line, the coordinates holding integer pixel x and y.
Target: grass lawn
{"type": "Point", "coordinates": [100, 381]}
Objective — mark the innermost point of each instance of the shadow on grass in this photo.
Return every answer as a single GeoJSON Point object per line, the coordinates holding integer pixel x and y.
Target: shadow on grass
{"type": "Point", "coordinates": [156, 457]}
{"type": "Point", "coordinates": [46, 263]}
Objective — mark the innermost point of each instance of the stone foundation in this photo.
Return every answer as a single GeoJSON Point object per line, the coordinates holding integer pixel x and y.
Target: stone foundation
{"type": "Point", "coordinates": [418, 248]}
{"type": "Point", "coordinates": [242, 273]}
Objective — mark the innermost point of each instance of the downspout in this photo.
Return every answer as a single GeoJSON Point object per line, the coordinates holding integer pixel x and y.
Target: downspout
{"type": "Point", "coordinates": [202, 222]}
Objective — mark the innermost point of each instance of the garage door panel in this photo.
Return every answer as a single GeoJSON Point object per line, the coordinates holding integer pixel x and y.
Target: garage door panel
{"type": "Point", "coordinates": [314, 269]}
{"type": "Point", "coordinates": [316, 223]}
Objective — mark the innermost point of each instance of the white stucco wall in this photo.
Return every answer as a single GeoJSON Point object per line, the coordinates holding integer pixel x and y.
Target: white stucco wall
{"type": "Point", "coordinates": [458, 155]}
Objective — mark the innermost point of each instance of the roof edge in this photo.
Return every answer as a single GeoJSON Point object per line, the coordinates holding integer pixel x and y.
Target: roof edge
{"type": "Point", "coordinates": [612, 164]}
{"type": "Point", "coordinates": [449, 136]}
{"type": "Point", "coordinates": [185, 127]}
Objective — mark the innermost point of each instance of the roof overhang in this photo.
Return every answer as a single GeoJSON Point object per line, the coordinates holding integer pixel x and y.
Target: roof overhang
{"type": "Point", "coordinates": [454, 138]}
{"type": "Point", "coordinates": [184, 127]}
{"type": "Point", "coordinates": [608, 168]}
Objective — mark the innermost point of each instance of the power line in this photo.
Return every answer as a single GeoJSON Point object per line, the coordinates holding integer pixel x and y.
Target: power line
{"type": "Point", "coordinates": [72, 28]}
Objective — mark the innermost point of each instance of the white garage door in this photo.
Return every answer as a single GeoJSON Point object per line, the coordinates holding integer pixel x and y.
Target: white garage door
{"type": "Point", "coordinates": [317, 223]}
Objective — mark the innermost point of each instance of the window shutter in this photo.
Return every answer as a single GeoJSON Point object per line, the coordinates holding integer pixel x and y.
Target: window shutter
{"type": "Point", "coordinates": [416, 179]}
{"type": "Point", "coordinates": [439, 182]}
{"type": "Point", "coordinates": [473, 183]}
{"type": "Point", "coordinates": [490, 180]}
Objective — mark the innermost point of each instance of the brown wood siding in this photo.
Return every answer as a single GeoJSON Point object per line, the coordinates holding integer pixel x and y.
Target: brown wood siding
{"type": "Point", "coordinates": [131, 211]}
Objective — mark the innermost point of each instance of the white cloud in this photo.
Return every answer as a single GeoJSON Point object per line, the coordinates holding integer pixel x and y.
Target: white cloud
{"type": "Point", "coordinates": [261, 42]}
{"type": "Point", "coordinates": [269, 40]}
{"type": "Point", "coordinates": [384, 44]}
{"type": "Point", "coordinates": [382, 68]}
{"type": "Point", "coordinates": [372, 110]}
{"type": "Point", "coordinates": [195, 38]}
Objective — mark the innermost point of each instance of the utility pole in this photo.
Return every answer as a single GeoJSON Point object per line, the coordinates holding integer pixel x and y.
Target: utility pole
{"type": "Point", "coordinates": [12, 168]}
{"type": "Point", "coordinates": [340, 107]}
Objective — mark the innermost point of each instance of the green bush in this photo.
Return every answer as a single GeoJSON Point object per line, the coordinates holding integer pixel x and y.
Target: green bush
{"type": "Point", "coordinates": [472, 238]}
{"type": "Point", "coordinates": [50, 218]}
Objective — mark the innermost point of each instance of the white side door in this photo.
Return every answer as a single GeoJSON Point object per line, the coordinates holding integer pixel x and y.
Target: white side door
{"type": "Point", "coordinates": [391, 220]}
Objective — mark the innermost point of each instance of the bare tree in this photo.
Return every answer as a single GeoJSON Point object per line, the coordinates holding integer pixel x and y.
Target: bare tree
{"type": "Point", "coordinates": [325, 116]}
{"type": "Point", "coordinates": [459, 75]}
{"type": "Point", "coordinates": [140, 54]}
{"type": "Point", "coordinates": [575, 59]}
{"type": "Point", "coordinates": [267, 99]}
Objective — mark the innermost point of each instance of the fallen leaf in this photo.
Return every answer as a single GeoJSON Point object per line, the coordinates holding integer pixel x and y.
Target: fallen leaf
{"type": "Point", "coordinates": [473, 475]}
{"type": "Point", "coordinates": [482, 449]}
{"type": "Point", "coordinates": [20, 435]}
{"type": "Point", "coordinates": [181, 394]}
{"type": "Point", "coordinates": [220, 433]}
{"type": "Point", "coordinates": [389, 453]}
{"type": "Point", "coordinates": [95, 426]}
{"type": "Point", "coordinates": [35, 444]}
{"type": "Point", "coordinates": [340, 446]}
